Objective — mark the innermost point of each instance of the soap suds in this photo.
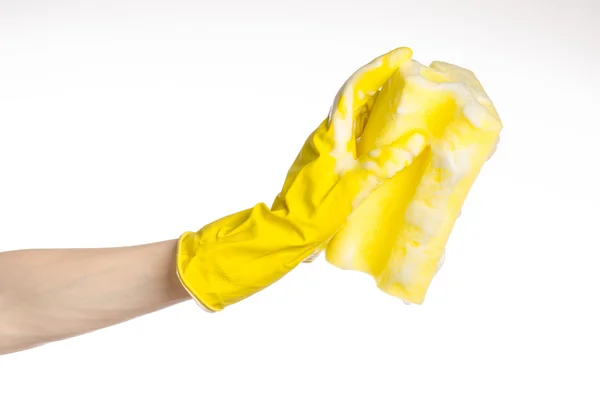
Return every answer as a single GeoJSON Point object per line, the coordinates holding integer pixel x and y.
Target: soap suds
{"type": "Point", "coordinates": [475, 104]}
{"type": "Point", "coordinates": [415, 144]}
{"type": "Point", "coordinates": [372, 167]}
{"type": "Point", "coordinates": [375, 153]}
{"type": "Point", "coordinates": [426, 217]}
{"type": "Point", "coordinates": [371, 182]}
{"type": "Point", "coordinates": [452, 158]}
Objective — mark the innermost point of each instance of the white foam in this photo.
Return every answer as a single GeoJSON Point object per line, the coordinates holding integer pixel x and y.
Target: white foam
{"type": "Point", "coordinates": [415, 144]}
{"type": "Point", "coordinates": [375, 153]}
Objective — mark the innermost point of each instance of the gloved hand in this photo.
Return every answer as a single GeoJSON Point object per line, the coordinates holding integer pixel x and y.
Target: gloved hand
{"type": "Point", "coordinates": [238, 255]}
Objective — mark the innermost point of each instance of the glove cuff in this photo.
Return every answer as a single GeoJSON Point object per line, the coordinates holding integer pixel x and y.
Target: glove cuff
{"type": "Point", "coordinates": [179, 271]}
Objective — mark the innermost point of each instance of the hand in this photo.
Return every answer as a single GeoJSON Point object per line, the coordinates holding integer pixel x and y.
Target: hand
{"type": "Point", "coordinates": [238, 255]}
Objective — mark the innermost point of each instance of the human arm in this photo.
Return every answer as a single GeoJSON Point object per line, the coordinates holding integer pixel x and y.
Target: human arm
{"type": "Point", "coordinates": [47, 295]}
{"type": "Point", "coordinates": [53, 294]}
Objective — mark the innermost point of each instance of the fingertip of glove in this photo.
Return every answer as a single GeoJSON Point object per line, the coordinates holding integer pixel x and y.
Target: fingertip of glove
{"type": "Point", "coordinates": [398, 56]}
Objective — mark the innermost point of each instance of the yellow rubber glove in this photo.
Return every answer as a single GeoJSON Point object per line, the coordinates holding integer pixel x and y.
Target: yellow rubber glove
{"type": "Point", "coordinates": [443, 119]}
{"type": "Point", "coordinates": [236, 256]}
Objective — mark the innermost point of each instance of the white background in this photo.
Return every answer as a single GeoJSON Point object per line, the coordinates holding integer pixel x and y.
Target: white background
{"type": "Point", "coordinates": [127, 122]}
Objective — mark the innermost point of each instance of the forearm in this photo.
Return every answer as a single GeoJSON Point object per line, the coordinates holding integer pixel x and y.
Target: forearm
{"type": "Point", "coordinates": [52, 294]}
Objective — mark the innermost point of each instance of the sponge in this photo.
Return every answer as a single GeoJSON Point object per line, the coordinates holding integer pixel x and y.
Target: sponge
{"type": "Point", "coordinates": [447, 127]}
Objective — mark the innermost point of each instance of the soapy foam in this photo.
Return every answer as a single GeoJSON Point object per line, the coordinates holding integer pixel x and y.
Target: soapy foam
{"type": "Point", "coordinates": [454, 162]}
{"type": "Point", "coordinates": [476, 106]}
{"type": "Point", "coordinates": [454, 151]}
{"type": "Point", "coordinates": [415, 144]}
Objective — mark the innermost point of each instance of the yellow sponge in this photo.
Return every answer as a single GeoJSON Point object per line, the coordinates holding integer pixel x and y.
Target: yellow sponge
{"type": "Point", "coordinates": [448, 127]}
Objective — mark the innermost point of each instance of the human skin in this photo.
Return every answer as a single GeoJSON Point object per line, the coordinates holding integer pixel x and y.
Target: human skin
{"type": "Point", "coordinates": [53, 294]}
